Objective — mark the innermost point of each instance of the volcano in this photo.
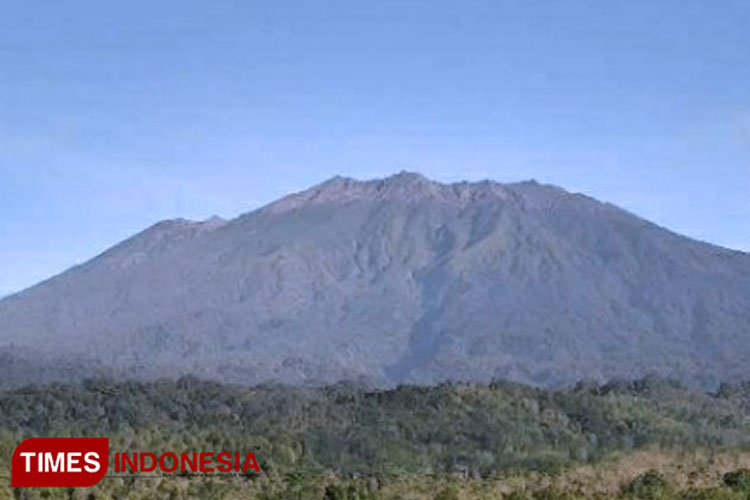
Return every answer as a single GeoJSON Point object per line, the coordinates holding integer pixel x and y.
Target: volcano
{"type": "Point", "coordinates": [391, 281]}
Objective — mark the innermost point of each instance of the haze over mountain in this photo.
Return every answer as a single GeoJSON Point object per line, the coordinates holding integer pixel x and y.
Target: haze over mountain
{"type": "Point", "coordinates": [393, 280]}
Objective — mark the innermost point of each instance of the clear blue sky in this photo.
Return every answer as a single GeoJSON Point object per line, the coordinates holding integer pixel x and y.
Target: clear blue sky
{"type": "Point", "coordinates": [114, 115]}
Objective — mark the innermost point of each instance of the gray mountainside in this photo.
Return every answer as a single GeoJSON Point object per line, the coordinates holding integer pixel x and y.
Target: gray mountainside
{"type": "Point", "coordinates": [391, 281]}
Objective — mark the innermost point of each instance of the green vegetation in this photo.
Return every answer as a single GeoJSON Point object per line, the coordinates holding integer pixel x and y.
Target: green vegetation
{"type": "Point", "coordinates": [453, 441]}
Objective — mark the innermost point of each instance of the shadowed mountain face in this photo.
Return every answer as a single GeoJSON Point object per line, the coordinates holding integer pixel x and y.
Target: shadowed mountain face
{"type": "Point", "coordinates": [390, 281]}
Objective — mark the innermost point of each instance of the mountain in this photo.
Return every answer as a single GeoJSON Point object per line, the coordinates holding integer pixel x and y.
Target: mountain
{"type": "Point", "coordinates": [396, 280]}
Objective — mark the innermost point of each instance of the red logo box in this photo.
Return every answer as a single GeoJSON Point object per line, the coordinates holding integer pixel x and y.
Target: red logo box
{"type": "Point", "coordinates": [60, 462]}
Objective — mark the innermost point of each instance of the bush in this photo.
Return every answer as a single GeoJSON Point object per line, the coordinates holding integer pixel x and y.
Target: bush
{"type": "Point", "coordinates": [738, 480]}
{"type": "Point", "coordinates": [447, 494]}
{"type": "Point", "coordinates": [649, 486]}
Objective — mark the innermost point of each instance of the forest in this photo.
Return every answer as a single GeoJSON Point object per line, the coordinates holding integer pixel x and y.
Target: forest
{"type": "Point", "coordinates": [647, 439]}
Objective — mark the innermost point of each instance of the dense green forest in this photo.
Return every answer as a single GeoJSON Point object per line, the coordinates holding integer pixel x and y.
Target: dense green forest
{"type": "Point", "coordinates": [448, 441]}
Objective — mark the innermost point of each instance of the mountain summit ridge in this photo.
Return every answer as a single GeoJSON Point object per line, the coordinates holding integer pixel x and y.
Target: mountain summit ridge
{"type": "Point", "coordinates": [403, 186]}
{"type": "Point", "coordinates": [395, 280]}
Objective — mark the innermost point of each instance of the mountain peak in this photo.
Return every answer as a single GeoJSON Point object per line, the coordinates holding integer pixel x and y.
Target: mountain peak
{"type": "Point", "coordinates": [406, 177]}
{"type": "Point", "coordinates": [403, 183]}
{"type": "Point", "coordinates": [403, 186]}
{"type": "Point", "coordinates": [338, 190]}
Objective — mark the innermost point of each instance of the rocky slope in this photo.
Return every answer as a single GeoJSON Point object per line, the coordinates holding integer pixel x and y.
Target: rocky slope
{"type": "Point", "coordinates": [389, 281]}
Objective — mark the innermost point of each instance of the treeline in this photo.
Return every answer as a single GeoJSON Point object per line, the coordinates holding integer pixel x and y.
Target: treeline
{"type": "Point", "coordinates": [466, 429]}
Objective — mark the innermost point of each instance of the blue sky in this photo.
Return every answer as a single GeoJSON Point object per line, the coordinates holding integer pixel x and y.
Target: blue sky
{"type": "Point", "coordinates": [114, 115]}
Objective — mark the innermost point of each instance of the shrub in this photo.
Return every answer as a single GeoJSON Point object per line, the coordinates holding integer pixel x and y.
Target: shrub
{"type": "Point", "coordinates": [447, 494]}
{"type": "Point", "coordinates": [738, 480]}
{"type": "Point", "coordinates": [649, 486]}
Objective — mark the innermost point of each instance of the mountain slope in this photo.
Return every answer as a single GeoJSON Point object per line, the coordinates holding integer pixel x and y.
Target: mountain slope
{"type": "Point", "coordinates": [394, 280]}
